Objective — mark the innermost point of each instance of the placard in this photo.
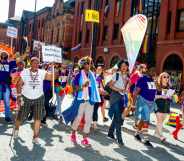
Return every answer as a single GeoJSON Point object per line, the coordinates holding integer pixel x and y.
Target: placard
{"type": "Point", "coordinates": [52, 54]}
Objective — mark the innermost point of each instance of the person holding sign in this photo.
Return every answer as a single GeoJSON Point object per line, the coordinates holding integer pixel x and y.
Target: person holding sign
{"type": "Point", "coordinates": [143, 98]}
{"type": "Point", "coordinates": [163, 101]}
{"type": "Point", "coordinates": [30, 96]}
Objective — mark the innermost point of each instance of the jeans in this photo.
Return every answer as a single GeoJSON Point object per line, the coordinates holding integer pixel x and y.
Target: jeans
{"type": "Point", "coordinates": [48, 96]}
{"type": "Point", "coordinates": [95, 112]}
{"type": "Point", "coordinates": [59, 100]}
{"type": "Point", "coordinates": [5, 95]}
{"type": "Point", "coordinates": [116, 122]}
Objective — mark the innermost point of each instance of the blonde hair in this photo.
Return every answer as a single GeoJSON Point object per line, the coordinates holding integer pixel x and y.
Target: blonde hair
{"type": "Point", "coordinates": [159, 80]}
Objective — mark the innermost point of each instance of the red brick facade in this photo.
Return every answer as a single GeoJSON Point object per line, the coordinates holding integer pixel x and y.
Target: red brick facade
{"type": "Point", "coordinates": [109, 47]}
{"type": "Point", "coordinates": [170, 38]}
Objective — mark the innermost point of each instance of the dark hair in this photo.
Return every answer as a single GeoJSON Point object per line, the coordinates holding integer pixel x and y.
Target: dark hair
{"type": "Point", "coordinates": [123, 62]}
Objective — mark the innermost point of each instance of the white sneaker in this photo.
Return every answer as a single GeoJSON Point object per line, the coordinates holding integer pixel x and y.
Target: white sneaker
{"type": "Point", "coordinates": [36, 141]}
{"type": "Point", "coordinates": [15, 134]}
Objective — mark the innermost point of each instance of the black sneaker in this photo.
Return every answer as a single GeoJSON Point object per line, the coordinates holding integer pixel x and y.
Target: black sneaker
{"type": "Point", "coordinates": [147, 143]}
{"type": "Point", "coordinates": [43, 122]}
{"type": "Point", "coordinates": [111, 136]}
{"type": "Point", "coordinates": [105, 119]}
{"type": "Point", "coordinates": [137, 136]}
{"type": "Point", "coordinates": [120, 143]}
{"type": "Point", "coordinates": [8, 120]}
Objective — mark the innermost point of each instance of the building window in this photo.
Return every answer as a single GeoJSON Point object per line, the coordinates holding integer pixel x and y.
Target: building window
{"type": "Point", "coordinates": [116, 31]}
{"type": "Point", "coordinates": [169, 16]}
{"type": "Point", "coordinates": [180, 20]}
{"type": "Point", "coordinates": [80, 37]}
{"type": "Point", "coordinates": [107, 8]}
{"type": "Point", "coordinates": [82, 8]}
{"type": "Point", "coordinates": [105, 33]}
{"type": "Point", "coordinates": [114, 61]}
{"type": "Point", "coordinates": [57, 39]}
{"type": "Point", "coordinates": [87, 36]}
{"type": "Point", "coordinates": [118, 6]}
{"type": "Point", "coordinates": [89, 4]}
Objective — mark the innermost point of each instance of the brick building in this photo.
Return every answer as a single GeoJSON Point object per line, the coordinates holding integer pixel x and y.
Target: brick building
{"type": "Point", "coordinates": [170, 44]}
{"type": "Point", "coordinates": [113, 14]}
{"type": "Point", "coordinates": [51, 25]}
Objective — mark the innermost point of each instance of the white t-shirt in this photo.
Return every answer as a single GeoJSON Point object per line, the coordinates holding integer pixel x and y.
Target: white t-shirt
{"type": "Point", "coordinates": [121, 82]}
{"type": "Point", "coordinates": [33, 87]}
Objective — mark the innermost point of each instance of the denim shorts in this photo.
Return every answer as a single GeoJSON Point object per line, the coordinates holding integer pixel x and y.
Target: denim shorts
{"type": "Point", "coordinates": [144, 108]}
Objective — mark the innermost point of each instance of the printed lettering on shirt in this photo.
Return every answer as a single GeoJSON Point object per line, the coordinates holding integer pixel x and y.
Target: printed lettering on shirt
{"type": "Point", "coordinates": [151, 85]}
{"type": "Point", "coordinates": [4, 68]}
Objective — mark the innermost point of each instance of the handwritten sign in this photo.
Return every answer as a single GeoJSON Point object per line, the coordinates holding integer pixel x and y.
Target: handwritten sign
{"type": "Point", "coordinates": [52, 54]}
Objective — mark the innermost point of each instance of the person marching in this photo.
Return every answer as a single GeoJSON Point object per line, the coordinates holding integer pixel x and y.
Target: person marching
{"type": "Point", "coordinates": [60, 83]}
{"type": "Point", "coordinates": [6, 67]}
{"type": "Point", "coordinates": [99, 79]}
{"type": "Point", "coordinates": [118, 100]}
{"type": "Point", "coordinates": [143, 100]}
{"type": "Point", "coordinates": [86, 95]}
{"type": "Point", "coordinates": [30, 96]}
{"type": "Point", "coordinates": [163, 101]}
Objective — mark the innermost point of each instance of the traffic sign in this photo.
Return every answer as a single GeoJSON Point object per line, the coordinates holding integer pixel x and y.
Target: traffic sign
{"type": "Point", "coordinates": [92, 16]}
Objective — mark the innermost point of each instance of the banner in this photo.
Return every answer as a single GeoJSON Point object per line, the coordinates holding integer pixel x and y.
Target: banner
{"type": "Point", "coordinates": [12, 32]}
{"type": "Point", "coordinates": [92, 16]}
{"type": "Point", "coordinates": [133, 34]}
{"type": "Point", "coordinates": [52, 54]}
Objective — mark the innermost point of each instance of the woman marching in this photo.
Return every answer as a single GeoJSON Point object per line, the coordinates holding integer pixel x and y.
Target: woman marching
{"type": "Point", "coordinates": [118, 100]}
{"type": "Point", "coordinates": [163, 101]}
{"type": "Point", "coordinates": [86, 95]}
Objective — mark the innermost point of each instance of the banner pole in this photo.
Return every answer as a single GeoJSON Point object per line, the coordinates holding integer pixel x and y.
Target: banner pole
{"type": "Point", "coordinates": [11, 45]}
{"type": "Point", "coordinates": [92, 40]}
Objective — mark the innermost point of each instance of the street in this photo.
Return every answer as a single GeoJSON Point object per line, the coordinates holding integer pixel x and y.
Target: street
{"type": "Point", "coordinates": [56, 145]}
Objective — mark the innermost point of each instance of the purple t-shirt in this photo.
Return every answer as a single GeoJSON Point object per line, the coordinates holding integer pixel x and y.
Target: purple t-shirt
{"type": "Point", "coordinates": [5, 71]}
{"type": "Point", "coordinates": [148, 88]}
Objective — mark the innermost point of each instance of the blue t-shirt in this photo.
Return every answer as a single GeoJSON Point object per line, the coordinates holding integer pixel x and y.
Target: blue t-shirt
{"type": "Point", "coordinates": [148, 88]}
{"type": "Point", "coordinates": [5, 70]}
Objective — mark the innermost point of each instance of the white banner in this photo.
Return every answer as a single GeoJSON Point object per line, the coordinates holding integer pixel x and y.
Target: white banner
{"type": "Point", "coordinates": [133, 34]}
{"type": "Point", "coordinates": [12, 32]}
{"type": "Point", "coordinates": [52, 54]}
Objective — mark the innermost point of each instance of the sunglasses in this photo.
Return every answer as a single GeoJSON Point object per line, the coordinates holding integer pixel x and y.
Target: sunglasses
{"type": "Point", "coordinates": [166, 77]}
{"type": "Point", "coordinates": [86, 63]}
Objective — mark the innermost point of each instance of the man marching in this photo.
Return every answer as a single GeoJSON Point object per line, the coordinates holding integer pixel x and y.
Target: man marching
{"type": "Point", "coordinates": [30, 96]}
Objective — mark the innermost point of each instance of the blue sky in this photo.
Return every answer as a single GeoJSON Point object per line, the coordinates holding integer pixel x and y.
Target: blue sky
{"type": "Point", "coordinates": [22, 5]}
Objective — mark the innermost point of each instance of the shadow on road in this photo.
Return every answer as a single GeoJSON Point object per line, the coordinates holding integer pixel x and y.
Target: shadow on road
{"type": "Point", "coordinates": [89, 154]}
{"type": "Point", "coordinates": [24, 154]}
{"type": "Point", "coordinates": [160, 154]}
{"type": "Point", "coordinates": [131, 154]}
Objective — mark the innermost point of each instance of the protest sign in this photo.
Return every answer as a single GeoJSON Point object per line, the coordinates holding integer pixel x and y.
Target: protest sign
{"type": "Point", "coordinates": [52, 54]}
{"type": "Point", "coordinates": [12, 32]}
{"type": "Point", "coordinates": [92, 16]}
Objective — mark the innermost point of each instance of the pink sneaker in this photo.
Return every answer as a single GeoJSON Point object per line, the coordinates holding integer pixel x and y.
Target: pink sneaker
{"type": "Point", "coordinates": [85, 142]}
{"type": "Point", "coordinates": [73, 138]}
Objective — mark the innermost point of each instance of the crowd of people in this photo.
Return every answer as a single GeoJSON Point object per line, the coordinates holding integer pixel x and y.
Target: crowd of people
{"type": "Point", "coordinates": [139, 93]}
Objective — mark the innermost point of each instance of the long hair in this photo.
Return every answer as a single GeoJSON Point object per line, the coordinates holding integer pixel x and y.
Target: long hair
{"type": "Point", "coordinates": [159, 81]}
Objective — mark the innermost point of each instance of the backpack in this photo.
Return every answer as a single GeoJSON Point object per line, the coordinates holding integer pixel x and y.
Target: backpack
{"type": "Point", "coordinates": [108, 89]}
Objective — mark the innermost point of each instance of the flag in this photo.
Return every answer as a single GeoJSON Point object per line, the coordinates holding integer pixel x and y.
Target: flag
{"type": "Point", "coordinates": [133, 34]}
{"type": "Point", "coordinates": [145, 45]}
